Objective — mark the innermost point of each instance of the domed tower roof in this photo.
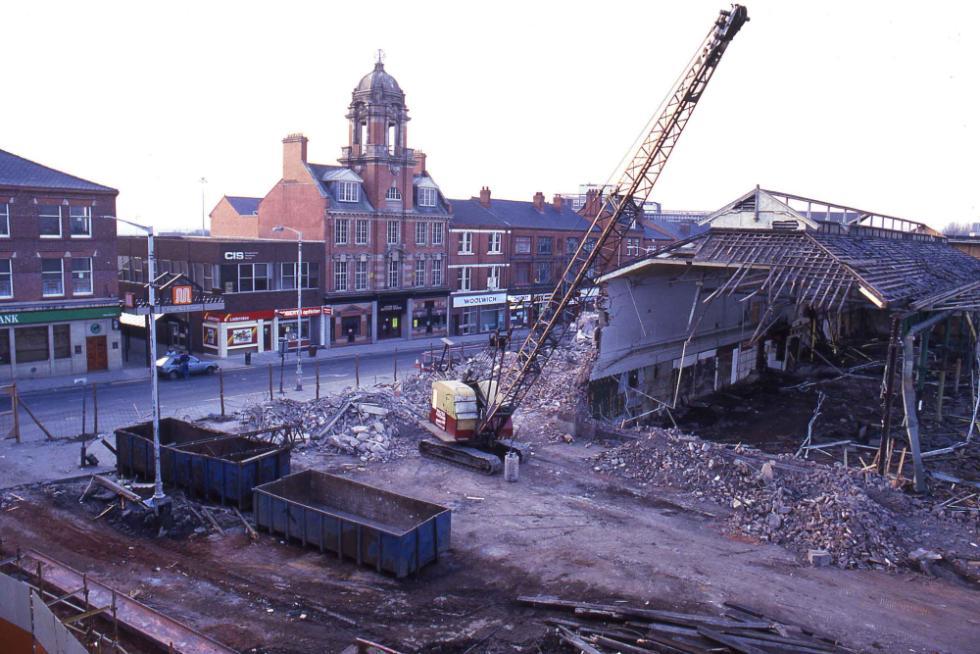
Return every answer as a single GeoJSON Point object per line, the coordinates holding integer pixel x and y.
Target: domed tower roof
{"type": "Point", "coordinates": [378, 83]}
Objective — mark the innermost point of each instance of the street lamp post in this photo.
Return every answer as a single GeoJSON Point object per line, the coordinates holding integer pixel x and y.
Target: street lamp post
{"type": "Point", "coordinates": [299, 301]}
{"type": "Point", "coordinates": [159, 499]}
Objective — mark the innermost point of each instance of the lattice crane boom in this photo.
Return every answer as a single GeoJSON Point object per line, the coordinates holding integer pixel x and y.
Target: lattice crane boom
{"type": "Point", "coordinates": [619, 212]}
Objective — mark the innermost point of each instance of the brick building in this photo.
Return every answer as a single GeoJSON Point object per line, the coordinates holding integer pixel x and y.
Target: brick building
{"type": "Point", "coordinates": [255, 279]}
{"type": "Point", "coordinates": [380, 215]}
{"type": "Point", "coordinates": [59, 306]}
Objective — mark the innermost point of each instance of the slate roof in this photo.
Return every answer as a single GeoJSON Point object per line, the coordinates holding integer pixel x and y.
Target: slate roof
{"type": "Point", "coordinates": [243, 205]}
{"type": "Point", "coordinates": [327, 188]}
{"type": "Point", "coordinates": [20, 172]}
{"type": "Point", "coordinates": [508, 214]}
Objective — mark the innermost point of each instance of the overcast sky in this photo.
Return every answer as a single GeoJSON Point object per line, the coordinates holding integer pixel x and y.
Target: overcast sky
{"type": "Point", "coordinates": [871, 104]}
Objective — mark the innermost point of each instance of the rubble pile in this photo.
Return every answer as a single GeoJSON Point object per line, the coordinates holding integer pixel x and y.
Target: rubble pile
{"type": "Point", "coordinates": [360, 423]}
{"type": "Point", "coordinates": [859, 519]}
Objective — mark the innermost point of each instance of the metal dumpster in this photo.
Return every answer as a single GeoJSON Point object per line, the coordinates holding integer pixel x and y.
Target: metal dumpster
{"type": "Point", "coordinates": [134, 444]}
{"type": "Point", "coordinates": [207, 463]}
{"type": "Point", "coordinates": [390, 532]}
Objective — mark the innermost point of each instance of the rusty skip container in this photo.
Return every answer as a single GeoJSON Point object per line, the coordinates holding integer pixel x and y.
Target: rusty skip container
{"type": "Point", "coordinates": [390, 532]}
{"type": "Point", "coordinates": [134, 444]}
{"type": "Point", "coordinates": [206, 463]}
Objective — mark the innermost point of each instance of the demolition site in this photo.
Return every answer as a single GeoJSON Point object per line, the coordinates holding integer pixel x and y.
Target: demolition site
{"type": "Point", "coordinates": [759, 437]}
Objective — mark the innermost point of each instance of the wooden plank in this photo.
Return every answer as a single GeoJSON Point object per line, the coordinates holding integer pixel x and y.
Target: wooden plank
{"type": "Point", "coordinates": [122, 491]}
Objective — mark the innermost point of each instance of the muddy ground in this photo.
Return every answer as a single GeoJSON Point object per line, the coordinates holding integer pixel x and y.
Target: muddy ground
{"type": "Point", "coordinates": [562, 529]}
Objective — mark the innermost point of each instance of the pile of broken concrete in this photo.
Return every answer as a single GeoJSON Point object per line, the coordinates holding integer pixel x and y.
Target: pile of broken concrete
{"type": "Point", "coordinates": [833, 514]}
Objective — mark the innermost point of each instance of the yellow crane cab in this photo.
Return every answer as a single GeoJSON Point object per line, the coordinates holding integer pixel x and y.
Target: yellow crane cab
{"type": "Point", "coordinates": [453, 411]}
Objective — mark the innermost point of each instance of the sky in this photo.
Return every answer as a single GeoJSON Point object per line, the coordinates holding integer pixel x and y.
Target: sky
{"type": "Point", "coordinates": [874, 105]}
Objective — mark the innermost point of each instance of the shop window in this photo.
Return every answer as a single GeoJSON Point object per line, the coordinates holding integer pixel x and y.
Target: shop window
{"type": "Point", "coordinates": [6, 279]}
{"type": "Point", "coordinates": [522, 245]}
{"type": "Point", "coordinates": [80, 222]}
{"type": "Point", "coordinates": [420, 272]}
{"type": "Point", "coordinates": [52, 278]}
{"type": "Point", "coordinates": [341, 231]}
{"type": "Point", "coordinates": [340, 275]}
{"type": "Point", "coordinates": [394, 232]}
{"type": "Point", "coordinates": [464, 278]}
{"type": "Point", "coordinates": [394, 273]}
{"type": "Point", "coordinates": [4, 346]}
{"type": "Point", "coordinates": [361, 276]}
{"type": "Point", "coordinates": [361, 232]}
{"type": "Point", "coordinates": [420, 233]}
{"type": "Point", "coordinates": [491, 319]}
{"type": "Point", "coordinates": [437, 273]}
{"type": "Point", "coordinates": [427, 197]}
{"type": "Point", "coordinates": [62, 341]}
{"type": "Point", "coordinates": [31, 344]}
{"type": "Point", "coordinates": [437, 233]}
{"type": "Point", "coordinates": [49, 221]}
{"type": "Point", "coordinates": [467, 321]}
{"type": "Point", "coordinates": [287, 330]}
{"type": "Point", "coordinates": [81, 275]}
{"type": "Point", "coordinates": [544, 245]}
{"type": "Point", "coordinates": [4, 220]}
{"type": "Point", "coordinates": [494, 243]}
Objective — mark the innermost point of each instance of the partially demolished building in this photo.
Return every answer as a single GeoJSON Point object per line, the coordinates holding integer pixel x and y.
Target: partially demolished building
{"type": "Point", "coordinates": [776, 277]}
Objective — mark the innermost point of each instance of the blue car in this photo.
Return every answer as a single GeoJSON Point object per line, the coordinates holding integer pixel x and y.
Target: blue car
{"type": "Point", "coordinates": [170, 365]}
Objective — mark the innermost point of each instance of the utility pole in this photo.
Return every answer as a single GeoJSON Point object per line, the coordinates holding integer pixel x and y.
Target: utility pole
{"type": "Point", "coordinates": [204, 230]}
{"type": "Point", "coordinates": [299, 302]}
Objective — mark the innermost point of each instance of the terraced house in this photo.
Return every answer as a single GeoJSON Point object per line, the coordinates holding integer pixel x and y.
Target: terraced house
{"type": "Point", "coordinates": [380, 214]}
{"type": "Point", "coordinates": [59, 311]}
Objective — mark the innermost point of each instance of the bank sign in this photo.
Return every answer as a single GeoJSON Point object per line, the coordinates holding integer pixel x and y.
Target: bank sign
{"type": "Point", "coordinates": [34, 317]}
{"type": "Point", "coordinates": [479, 300]}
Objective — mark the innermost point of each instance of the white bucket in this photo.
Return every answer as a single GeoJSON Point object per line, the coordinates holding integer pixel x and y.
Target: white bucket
{"type": "Point", "coordinates": [512, 464]}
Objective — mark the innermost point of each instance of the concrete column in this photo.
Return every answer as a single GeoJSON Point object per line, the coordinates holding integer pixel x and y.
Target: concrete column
{"type": "Point", "coordinates": [409, 310]}
{"type": "Point", "coordinates": [374, 321]}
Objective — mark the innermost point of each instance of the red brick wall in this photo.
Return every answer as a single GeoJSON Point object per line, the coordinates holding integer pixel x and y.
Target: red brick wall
{"type": "Point", "coordinates": [227, 223]}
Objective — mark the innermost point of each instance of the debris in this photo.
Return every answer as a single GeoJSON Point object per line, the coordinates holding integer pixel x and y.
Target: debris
{"type": "Point", "coordinates": [249, 529]}
{"type": "Point", "coordinates": [819, 558]}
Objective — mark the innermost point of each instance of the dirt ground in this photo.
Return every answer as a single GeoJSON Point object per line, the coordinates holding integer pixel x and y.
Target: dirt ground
{"type": "Point", "coordinates": [563, 529]}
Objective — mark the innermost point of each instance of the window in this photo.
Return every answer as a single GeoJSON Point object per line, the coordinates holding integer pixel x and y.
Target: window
{"type": "Point", "coordinates": [4, 220]}
{"type": "Point", "coordinates": [32, 342]}
{"type": "Point", "coordinates": [464, 278]}
{"type": "Point", "coordinates": [466, 243]}
{"type": "Point", "coordinates": [208, 282]}
{"type": "Point", "coordinates": [632, 247]}
{"type": "Point", "coordinates": [590, 244]}
{"type": "Point", "coordinates": [287, 276]}
{"type": "Point", "coordinates": [81, 275]}
{"type": "Point", "coordinates": [341, 231]}
{"type": "Point", "coordinates": [4, 346]}
{"type": "Point", "coordinates": [6, 279]}
{"type": "Point", "coordinates": [394, 269]}
{"type": "Point", "coordinates": [493, 246]}
{"type": "Point", "coordinates": [360, 275]}
{"type": "Point", "coordinates": [571, 245]}
{"type": "Point", "coordinates": [493, 278]}
{"type": "Point", "coordinates": [361, 232]}
{"type": "Point", "coordinates": [52, 278]}
{"type": "Point", "coordinates": [522, 273]}
{"type": "Point", "coordinates": [420, 233]}
{"type": "Point", "coordinates": [393, 194]}
{"type": "Point", "coordinates": [80, 221]}
{"type": "Point", "coordinates": [394, 232]}
{"type": "Point", "coordinates": [437, 273]}
{"type": "Point", "coordinates": [138, 269]}
{"type": "Point", "coordinates": [542, 273]}
{"type": "Point", "coordinates": [427, 197]}
{"type": "Point", "coordinates": [254, 277]}
{"type": "Point", "coordinates": [349, 192]}
{"type": "Point", "coordinates": [420, 272]}
{"type": "Point", "coordinates": [437, 233]}
{"type": "Point", "coordinates": [340, 275]}
{"type": "Point", "coordinates": [62, 341]}
{"type": "Point", "coordinates": [49, 221]}
{"type": "Point", "coordinates": [522, 245]}
{"type": "Point", "coordinates": [544, 245]}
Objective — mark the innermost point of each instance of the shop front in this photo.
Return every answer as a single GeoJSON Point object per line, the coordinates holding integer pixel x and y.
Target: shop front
{"type": "Point", "coordinates": [479, 313]}
{"type": "Point", "coordinates": [310, 325]}
{"type": "Point", "coordinates": [77, 339]}
{"type": "Point", "coordinates": [524, 309]}
{"type": "Point", "coordinates": [428, 316]}
{"type": "Point", "coordinates": [350, 323]}
{"type": "Point", "coordinates": [228, 334]}
{"type": "Point", "coordinates": [391, 317]}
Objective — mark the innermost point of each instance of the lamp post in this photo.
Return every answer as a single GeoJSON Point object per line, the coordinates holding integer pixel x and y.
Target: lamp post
{"type": "Point", "coordinates": [299, 301]}
{"type": "Point", "coordinates": [159, 499]}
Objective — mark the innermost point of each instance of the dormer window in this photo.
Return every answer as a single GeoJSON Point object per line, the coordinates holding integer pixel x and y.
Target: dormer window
{"type": "Point", "coordinates": [349, 192]}
{"type": "Point", "coordinates": [427, 196]}
{"type": "Point", "coordinates": [393, 194]}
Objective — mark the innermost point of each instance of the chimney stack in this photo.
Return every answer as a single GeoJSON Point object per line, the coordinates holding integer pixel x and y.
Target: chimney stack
{"type": "Point", "coordinates": [539, 202]}
{"type": "Point", "coordinates": [419, 163]}
{"type": "Point", "coordinates": [485, 197]}
{"type": "Point", "coordinates": [558, 201]}
{"type": "Point", "coordinates": [590, 209]}
{"type": "Point", "coordinates": [294, 157]}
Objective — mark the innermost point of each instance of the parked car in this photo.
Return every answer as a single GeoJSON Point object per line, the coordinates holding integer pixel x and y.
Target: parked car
{"type": "Point", "coordinates": [169, 365]}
